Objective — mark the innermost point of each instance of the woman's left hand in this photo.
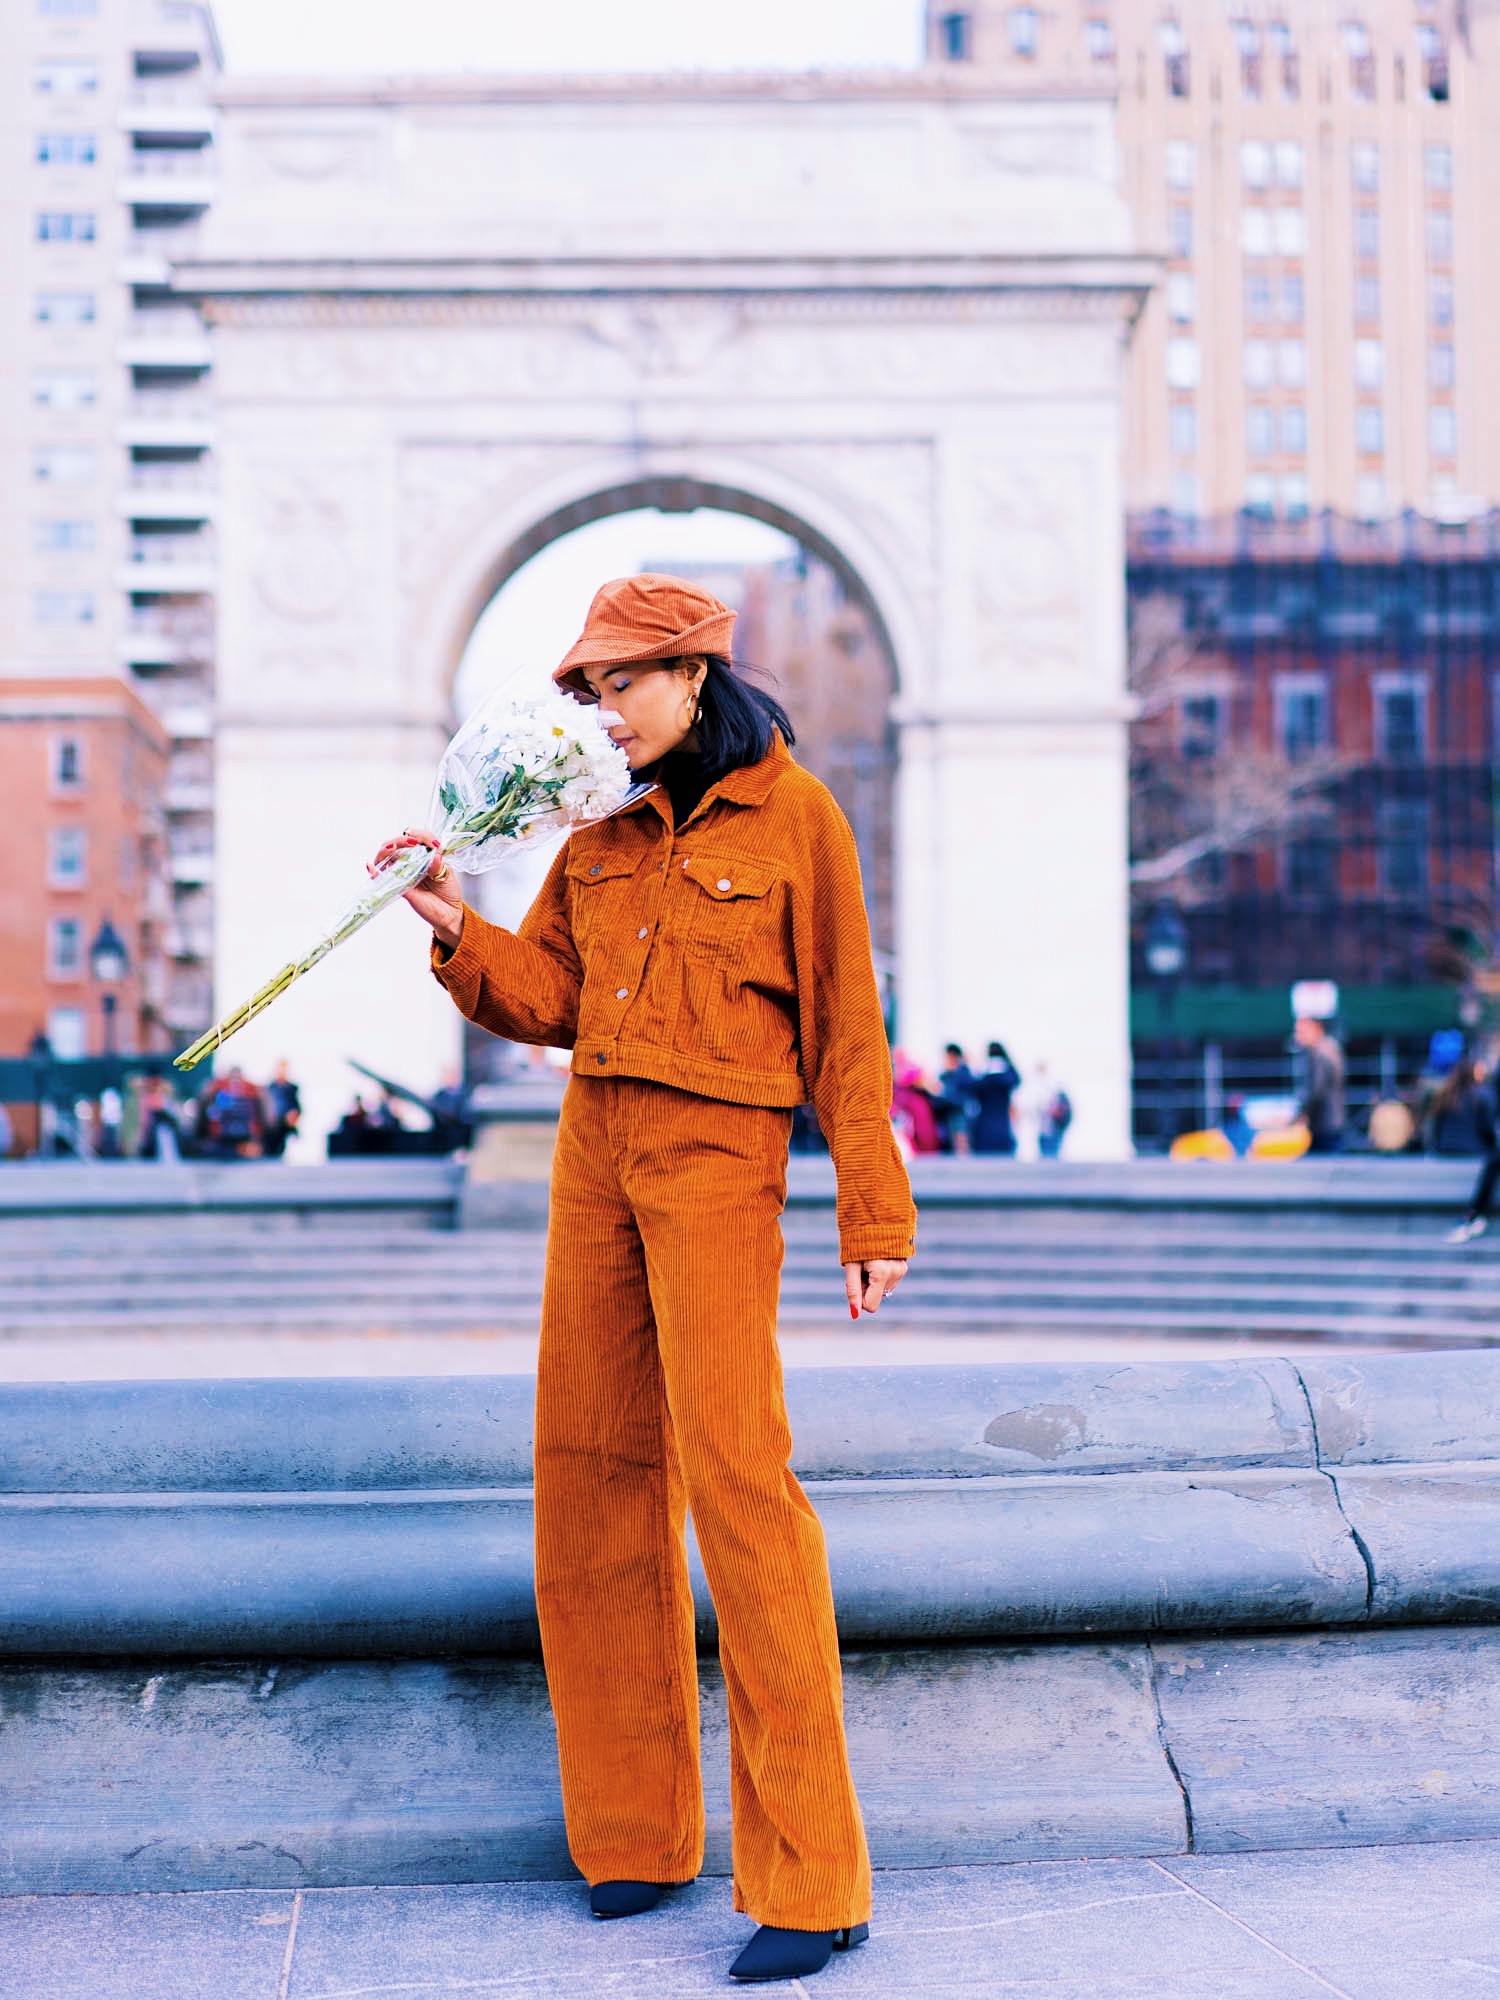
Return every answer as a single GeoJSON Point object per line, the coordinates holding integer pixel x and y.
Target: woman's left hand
{"type": "Point", "coordinates": [867, 1284]}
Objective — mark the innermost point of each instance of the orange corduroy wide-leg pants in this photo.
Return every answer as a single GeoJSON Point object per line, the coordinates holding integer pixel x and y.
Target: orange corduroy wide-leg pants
{"type": "Point", "coordinates": [659, 1388]}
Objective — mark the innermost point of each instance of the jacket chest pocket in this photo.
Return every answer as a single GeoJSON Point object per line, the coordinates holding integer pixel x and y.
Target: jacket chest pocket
{"type": "Point", "coordinates": [599, 890]}
{"type": "Point", "coordinates": [721, 905]}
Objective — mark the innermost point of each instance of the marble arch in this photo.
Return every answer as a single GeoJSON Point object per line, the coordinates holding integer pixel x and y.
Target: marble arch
{"type": "Point", "coordinates": [452, 319]}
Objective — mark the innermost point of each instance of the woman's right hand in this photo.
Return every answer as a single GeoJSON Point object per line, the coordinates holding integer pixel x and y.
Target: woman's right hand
{"type": "Point", "coordinates": [437, 899]}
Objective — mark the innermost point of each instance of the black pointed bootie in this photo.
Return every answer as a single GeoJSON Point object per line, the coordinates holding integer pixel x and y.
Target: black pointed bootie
{"type": "Point", "coordinates": [628, 1899]}
{"type": "Point", "coordinates": [777, 1954]}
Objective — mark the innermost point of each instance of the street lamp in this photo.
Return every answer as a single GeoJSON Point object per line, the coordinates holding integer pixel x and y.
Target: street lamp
{"type": "Point", "coordinates": [1166, 950]}
{"type": "Point", "coordinates": [109, 963]}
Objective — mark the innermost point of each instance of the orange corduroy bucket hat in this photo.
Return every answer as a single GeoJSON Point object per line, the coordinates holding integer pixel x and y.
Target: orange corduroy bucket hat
{"type": "Point", "coordinates": [646, 617]}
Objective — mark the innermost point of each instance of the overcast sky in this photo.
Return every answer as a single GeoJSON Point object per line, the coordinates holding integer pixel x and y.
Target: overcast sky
{"type": "Point", "coordinates": [403, 35]}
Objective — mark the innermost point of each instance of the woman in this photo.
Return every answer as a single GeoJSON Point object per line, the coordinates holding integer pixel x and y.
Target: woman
{"type": "Point", "coordinates": [706, 957]}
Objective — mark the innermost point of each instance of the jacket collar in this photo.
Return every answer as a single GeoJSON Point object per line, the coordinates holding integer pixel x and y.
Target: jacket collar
{"type": "Point", "coordinates": [747, 786]}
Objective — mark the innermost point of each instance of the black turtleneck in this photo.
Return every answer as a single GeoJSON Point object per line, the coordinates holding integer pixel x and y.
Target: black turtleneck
{"type": "Point", "coordinates": [682, 777]}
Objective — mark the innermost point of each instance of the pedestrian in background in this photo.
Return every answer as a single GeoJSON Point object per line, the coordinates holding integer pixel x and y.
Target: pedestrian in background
{"type": "Point", "coordinates": [234, 1119]}
{"type": "Point", "coordinates": [955, 1100]}
{"type": "Point", "coordinates": [159, 1135]}
{"type": "Point", "coordinates": [914, 1107]}
{"type": "Point", "coordinates": [1322, 1108]}
{"type": "Point", "coordinates": [1476, 1109]}
{"type": "Point", "coordinates": [7, 1133]}
{"type": "Point", "coordinates": [992, 1130]}
{"type": "Point", "coordinates": [283, 1112]}
{"type": "Point", "coordinates": [1054, 1115]}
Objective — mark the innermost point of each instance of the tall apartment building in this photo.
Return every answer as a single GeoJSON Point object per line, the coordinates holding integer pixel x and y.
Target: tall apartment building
{"type": "Point", "coordinates": [1322, 181]}
{"type": "Point", "coordinates": [106, 505]}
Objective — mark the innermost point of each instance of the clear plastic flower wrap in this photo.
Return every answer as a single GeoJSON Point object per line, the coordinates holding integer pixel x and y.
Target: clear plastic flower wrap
{"type": "Point", "coordinates": [515, 773]}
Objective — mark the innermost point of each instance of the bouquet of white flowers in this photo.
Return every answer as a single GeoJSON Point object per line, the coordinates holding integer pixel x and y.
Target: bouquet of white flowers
{"type": "Point", "coordinates": [515, 772]}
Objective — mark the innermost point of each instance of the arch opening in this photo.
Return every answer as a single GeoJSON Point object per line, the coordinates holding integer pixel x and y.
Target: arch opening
{"type": "Point", "coordinates": [807, 624]}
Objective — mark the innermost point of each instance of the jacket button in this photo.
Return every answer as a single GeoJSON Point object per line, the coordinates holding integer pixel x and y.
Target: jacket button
{"type": "Point", "coordinates": [623, 993]}
{"type": "Point", "coordinates": [725, 883]}
{"type": "Point", "coordinates": [596, 868]}
{"type": "Point", "coordinates": [601, 1058]}
{"type": "Point", "coordinates": [641, 932]}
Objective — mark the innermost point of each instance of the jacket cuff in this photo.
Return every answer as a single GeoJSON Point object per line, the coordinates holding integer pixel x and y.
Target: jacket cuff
{"type": "Point", "coordinates": [867, 1247]}
{"type": "Point", "coordinates": [460, 970]}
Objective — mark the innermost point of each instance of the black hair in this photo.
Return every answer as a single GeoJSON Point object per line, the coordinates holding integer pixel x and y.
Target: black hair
{"type": "Point", "coordinates": [998, 1052]}
{"type": "Point", "coordinates": [740, 720]}
{"type": "Point", "coordinates": [952, 1049]}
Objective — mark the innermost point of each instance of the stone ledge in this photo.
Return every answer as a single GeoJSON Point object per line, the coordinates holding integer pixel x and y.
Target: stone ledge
{"type": "Point", "coordinates": [321, 1774]}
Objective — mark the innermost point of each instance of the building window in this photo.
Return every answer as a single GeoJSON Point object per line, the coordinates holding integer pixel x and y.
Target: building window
{"type": "Point", "coordinates": [1439, 236]}
{"type": "Point", "coordinates": [1369, 496]}
{"type": "Point", "coordinates": [1258, 370]}
{"type": "Point", "coordinates": [64, 607]}
{"type": "Point", "coordinates": [1201, 729]}
{"type": "Point", "coordinates": [67, 764]}
{"type": "Point", "coordinates": [1400, 718]}
{"type": "Point", "coordinates": [65, 226]}
{"type": "Point", "coordinates": [66, 149]}
{"type": "Point", "coordinates": [1255, 232]}
{"type": "Point", "coordinates": [1366, 300]}
{"type": "Point", "coordinates": [1247, 40]}
{"type": "Point", "coordinates": [1401, 830]}
{"type": "Point", "coordinates": [1099, 38]}
{"type": "Point", "coordinates": [64, 389]}
{"type": "Point", "coordinates": [1260, 430]}
{"type": "Point", "coordinates": [1180, 230]}
{"type": "Point", "coordinates": [65, 464]}
{"type": "Point", "coordinates": [1291, 364]}
{"type": "Point", "coordinates": [1186, 499]}
{"type": "Point", "coordinates": [1369, 429]}
{"type": "Point", "coordinates": [67, 6]}
{"type": "Point", "coordinates": [1301, 715]}
{"type": "Point", "coordinates": [1289, 163]}
{"type": "Point", "coordinates": [1289, 232]}
{"type": "Point", "coordinates": [1024, 25]}
{"type": "Point", "coordinates": [1369, 364]}
{"type": "Point", "coordinates": [1440, 300]}
{"type": "Point", "coordinates": [1181, 163]}
{"type": "Point", "coordinates": [1183, 364]}
{"type": "Point", "coordinates": [1367, 232]}
{"type": "Point", "coordinates": [1255, 163]}
{"type": "Point", "coordinates": [65, 857]}
{"type": "Point", "coordinates": [65, 1033]}
{"type": "Point", "coordinates": [1437, 162]}
{"type": "Point", "coordinates": [1434, 62]}
{"type": "Point", "coordinates": [1260, 496]}
{"type": "Point", "coordinates": [61, 76]}
{"type": "Point", "coordinates": [1308, 867]}
{"type": "Point", "coordinates": [64, 948]}
{"type": "Point", "coordinates": [1294, 496]}
{"type": "Point", "coordinates": [65, 308]}
{"type": "Point", "coordinates": [1293, 298]}
{"type": "Point", "coordinates": [1173, 45]}
{"type": "Point", "coordinates": [53, 537]}
{"type": "Point", "coordinates": [1356, 39]}
{"type": "Point", "coordinates": [1442, 430]}
{"type": "Point", "coordinates": [1257, 297]}
{"type": "Point", "coordinates": [956, 37]}
{"type": "Point", "coordinates": [1441, 372]}
{"type": "Point", "coordinates": [1294, 431]}
{"type": "Point", "coordinates": [1364, 166]}
{"type": "Point", "coordinates": [1182, 423]}
{"type": "Point", "coordinates": [1181, 297]}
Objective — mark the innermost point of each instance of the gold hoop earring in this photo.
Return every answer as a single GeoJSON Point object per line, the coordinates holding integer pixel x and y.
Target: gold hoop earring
{"type": "Point", "coordinates": [697, 715]}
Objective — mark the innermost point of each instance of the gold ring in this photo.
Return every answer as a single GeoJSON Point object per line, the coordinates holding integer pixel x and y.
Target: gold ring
{"type": "Point", "coordinates": [447, 871]}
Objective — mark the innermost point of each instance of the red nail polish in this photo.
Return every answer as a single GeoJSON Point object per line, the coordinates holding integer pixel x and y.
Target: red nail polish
{"type": "Point", "coordinates": [853, 1310]}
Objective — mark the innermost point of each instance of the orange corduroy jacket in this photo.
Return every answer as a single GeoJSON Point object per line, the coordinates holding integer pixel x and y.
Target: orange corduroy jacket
{"type": "Point", "coordinates": [729, 957]}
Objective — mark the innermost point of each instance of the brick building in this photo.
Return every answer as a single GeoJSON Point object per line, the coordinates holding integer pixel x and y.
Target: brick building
{"type": "Point", "coordinates": [82, 769]}
{"type": "Point", "coordinates": [1313, 783]}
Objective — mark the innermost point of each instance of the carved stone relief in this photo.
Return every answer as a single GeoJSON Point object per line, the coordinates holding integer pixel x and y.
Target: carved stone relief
{"type": "Point", "coordinates": [1029, 523]}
